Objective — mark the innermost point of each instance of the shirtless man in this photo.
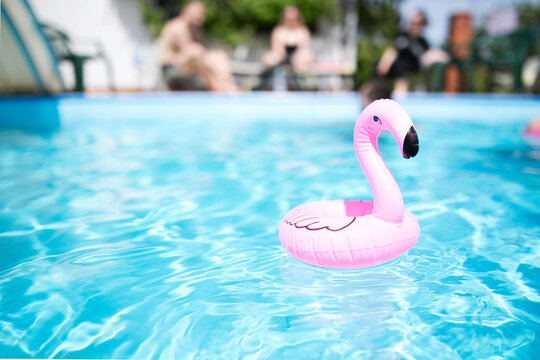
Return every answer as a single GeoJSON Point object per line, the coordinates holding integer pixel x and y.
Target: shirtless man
{"type": "Point", "coordinates": [290, 42]}
{"type": "Point", "coordinates": [182, 49]}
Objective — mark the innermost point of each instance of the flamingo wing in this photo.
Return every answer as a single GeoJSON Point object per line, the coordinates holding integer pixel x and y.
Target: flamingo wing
{"type": "Point", "coordinates": [309, 221]}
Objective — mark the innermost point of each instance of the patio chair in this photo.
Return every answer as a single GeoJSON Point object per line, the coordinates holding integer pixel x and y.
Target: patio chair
{"type": "Point", "coordinates": [507, 53]}
{"type": "Point", "coordinates": [65, 49]}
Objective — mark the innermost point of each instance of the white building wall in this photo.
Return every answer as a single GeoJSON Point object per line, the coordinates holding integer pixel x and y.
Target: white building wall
{"type": "Point", "coordinates": [118, 26]}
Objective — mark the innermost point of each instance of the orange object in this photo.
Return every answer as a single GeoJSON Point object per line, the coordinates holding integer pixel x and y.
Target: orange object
{"type": "Point", "coordinates": [461, 35]}
{"type": "Point", "coordinates": [460, 38]}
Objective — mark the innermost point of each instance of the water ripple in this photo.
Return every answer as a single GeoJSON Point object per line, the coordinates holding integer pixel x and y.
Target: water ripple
{"type": "Point", "coordinates": [138, 240]}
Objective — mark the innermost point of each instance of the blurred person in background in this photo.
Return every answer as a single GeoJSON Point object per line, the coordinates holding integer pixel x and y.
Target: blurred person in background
{"type": "Point", "coordinates": [182, 51]}
{"type": "Point", "coordinates": [409, 51]}
{"type": "Point", "coordinates": [290, 43]}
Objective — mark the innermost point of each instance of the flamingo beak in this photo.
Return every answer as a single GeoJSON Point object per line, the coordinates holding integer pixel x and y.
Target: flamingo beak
{"type": "Point", "coordinates": [410, 144]}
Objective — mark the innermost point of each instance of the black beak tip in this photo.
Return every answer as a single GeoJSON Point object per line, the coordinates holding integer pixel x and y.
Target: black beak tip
{"type": "Point", "coordinates": [410, 144]}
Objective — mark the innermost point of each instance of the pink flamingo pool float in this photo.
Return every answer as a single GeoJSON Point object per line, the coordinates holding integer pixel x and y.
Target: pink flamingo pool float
{"type": "Point", "coordinates": [349, 234]}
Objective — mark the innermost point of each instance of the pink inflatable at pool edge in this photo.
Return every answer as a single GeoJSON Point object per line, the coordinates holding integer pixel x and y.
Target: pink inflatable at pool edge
{"type": "Point", "coordinates": [348, 234]}
{"type": "Point", "coordinates": [532, 133]}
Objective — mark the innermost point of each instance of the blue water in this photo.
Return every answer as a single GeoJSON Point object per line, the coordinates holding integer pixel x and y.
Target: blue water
{"type": "Point", "coordinates": [146, 227]}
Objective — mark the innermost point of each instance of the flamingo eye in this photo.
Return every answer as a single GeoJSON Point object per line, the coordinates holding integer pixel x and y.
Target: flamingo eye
{"type": "Point", "coordinates": [376, 119]}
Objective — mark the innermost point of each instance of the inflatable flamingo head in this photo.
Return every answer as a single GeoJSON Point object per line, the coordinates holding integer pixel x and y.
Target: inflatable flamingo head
{"type": "Point", "coordinates": [386, 114]}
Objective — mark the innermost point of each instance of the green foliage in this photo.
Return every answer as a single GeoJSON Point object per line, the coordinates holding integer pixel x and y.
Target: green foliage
{"type": "Point", "coordinates": [480, 79]}
{"type": "Point", "coordinates": [368, 53]}
{"type": "Point", "coordinates": [153, 17]}
{"type": "Point", "coordinates": [529, 18]}
{"type": "Point", "coordinates": [529, 14]}
{"type": "Point", "coordinates": [379, 17]}
{"type": "Point", "coordinates": [379, 24]}
{"type": "Point", "coordinates": [235, 21]}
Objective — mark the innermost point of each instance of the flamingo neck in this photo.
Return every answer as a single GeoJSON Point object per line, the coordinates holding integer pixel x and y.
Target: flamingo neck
{"type": "Point", "coordinates": [387, 200]}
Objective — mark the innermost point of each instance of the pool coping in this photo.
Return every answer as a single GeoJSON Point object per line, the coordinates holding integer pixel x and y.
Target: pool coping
{"type": "Point", "coordinates": [49, 112]}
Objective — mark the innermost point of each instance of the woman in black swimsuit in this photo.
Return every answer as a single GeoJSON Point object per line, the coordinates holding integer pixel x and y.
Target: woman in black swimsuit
{"type": "Point", "coordinates": [290, 43]}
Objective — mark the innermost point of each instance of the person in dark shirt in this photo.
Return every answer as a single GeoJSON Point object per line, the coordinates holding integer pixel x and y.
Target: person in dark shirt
{"type": "Point", "coordinates": [404, 56]}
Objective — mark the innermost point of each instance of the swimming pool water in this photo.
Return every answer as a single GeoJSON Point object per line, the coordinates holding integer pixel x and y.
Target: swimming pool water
{"type": "Point", "coordinates": [146, 227]}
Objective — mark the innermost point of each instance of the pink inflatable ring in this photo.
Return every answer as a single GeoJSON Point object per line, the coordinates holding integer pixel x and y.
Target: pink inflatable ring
{"type": "Point", "coordinates": [348, 234]}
